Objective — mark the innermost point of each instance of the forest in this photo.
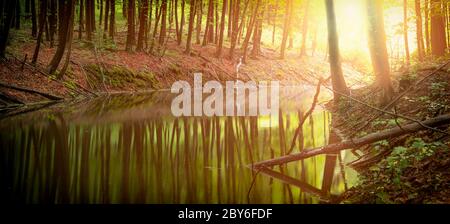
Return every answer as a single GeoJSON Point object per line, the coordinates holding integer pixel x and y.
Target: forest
{"type": "Point", "coordinates": [364, 104]}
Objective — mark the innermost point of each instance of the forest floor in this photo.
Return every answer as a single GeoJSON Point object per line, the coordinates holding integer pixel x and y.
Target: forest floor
{"type": "Point", "coordinates": [107, 68]}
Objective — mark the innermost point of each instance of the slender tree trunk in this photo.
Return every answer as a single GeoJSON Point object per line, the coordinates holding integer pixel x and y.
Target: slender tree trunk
{"type": "Point", "coordinates": [183, 21]}
{"type": "Point", "coordinates": [191, 26]}
{"type": "Point", "coordinates": [7, 23]}
{"type": "Point", "coordinates": [42, 19]}
{"type": "Point", "coordinates": [209, 27]}
{"type": "Point", "coordinates": [230, 16]}
{"type": "Point", "coordinates": [405, 30]}
{"type": "Point", "coordinates": [438, 39]}
{"type": "Point", "coordinates": [427, 25]}
{"type": "Point", "coordinates": [65, 7]}
{"type": "Point", "coordinates": [275, 16]}
{"type": "Point", "coordinates": [378, 49]}
{"type": "Point", "coordinates": [33, 18]}
{"type": "Point", "coordinates": [257, 35]}
{"type": "Point", "coordinates": [18, 14]}
{"type": "Point", "coordinates": [142, 25]}
{"type": "Point", "coordinates": [131, 39]}
{"type": "Point", "coordinates": [234, 34]}
{"type": "Point", "coordinates": [101, 13]}
{"type": "Point", "coordinates": [305, 29]}
{"type": "Point", "coordinates": [222, 28]}
{"type": "Point", "coordinates": [162, 32]}
{"type": "Point", "coordinates": [419, 30]}
{"type": "Point", "coordinates": [71, 15]}
{"type": "Point", "coordinates": [250, 30]}
{"type": "Point", "coordinates": [287, 24]}
{"type": "Point", "coordinates": [337, 77]}
{"type": "Point", "coordinates": [199, 20]}
{"type": "Point", "coordinates": [52, 21]}
{"type": "Point", "coordinates": [112, 19]}
{"type": "Point", "coordinates": [80, 24]}
{"type": "Point", "coordinates": [105, 27]}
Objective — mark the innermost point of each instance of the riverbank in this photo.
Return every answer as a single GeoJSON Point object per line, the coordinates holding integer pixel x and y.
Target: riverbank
{"type": "Point", "coordinates": [102, 67]}
{"type": "Point", "coordinates": [413, 168]}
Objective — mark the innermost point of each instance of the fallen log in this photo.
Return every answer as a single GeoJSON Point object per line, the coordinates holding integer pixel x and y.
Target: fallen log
{"type": "Point", "coordinates": [354, 143]}
{"type": "Point", "coordinates": [46, 95]}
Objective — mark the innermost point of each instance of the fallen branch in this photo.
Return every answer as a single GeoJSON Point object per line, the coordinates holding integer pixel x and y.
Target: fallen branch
{"type": "Point", "coordinates": [46, 95]}
{"type": "Point", "coordinates": [354, 143]}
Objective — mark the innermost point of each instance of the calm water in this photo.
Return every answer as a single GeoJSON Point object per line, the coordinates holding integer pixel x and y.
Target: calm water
{"type": "Point", "coordinates": [130, 149]}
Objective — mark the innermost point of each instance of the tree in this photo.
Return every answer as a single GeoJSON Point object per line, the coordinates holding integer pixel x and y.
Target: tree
{"type": "Point", "coordinates": [131, 39]}
{"type": "Point", "coordinates": [6, 25]}
{"type": "Point", "coordinates": [419, 31]}
{"type": "Point", "coordinates": [199, 12]}
{"type": "Point", "coordinates": [112, 19]}
{"type": "Point", "coordinates": [42, 22]}
{"type": "Point", "coordinates": [162, 33]}
{"type": "Point", "coordinates": [33, 18]}
{"type": "Point", "coordinates": [304, 29]}
{"type": "Point", "coordinates": [105, 28]}
{"type": "Point", "coordinates": [209, 26]}
{"type": "Point", "coordinates": [427, 25]}
{"type": "Point", "coordinates": [286, 27]}
{"type": "Point", "coordinates": [438, 39]}
{"type": "Point", "coordinates": [250, 30]}
{"type": "Point", "coordinates": [66, 8]}
{"type": "Point", "coordinates": [337, 78]}
{"type": "Point", "coordinates": [222, 29]}
{"type": "Point", "coordinates": [405, 30]}
{"type": "Point", "coordinates": [378, 49]}
{"type": "Point", "coordinates": [52, 21]}
{"type": "Point", "coordinates": [142, 25]}
{"type": "Point", "coordinates": [191, 26]}
{"type": "Point", "coordinates": [80, 19]}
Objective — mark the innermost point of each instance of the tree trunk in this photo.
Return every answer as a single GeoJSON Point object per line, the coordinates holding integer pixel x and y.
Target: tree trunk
{"type": "Point", "coordinates": [71, 18]}
{"type": "Point", "coordinates": [112, 19]}
{"type": "Point", "coordinates": [250, 30]}
{"type": "Point", "coordinates": [7, 23]}
{"type": "Point", "coordinates": [142, 25]}
{"type": "Point", "coordinates": [337, 77]}
{"type": "Point", "coordinates": [80, 24]}
{"type": "Point", "coordinates": [378, 49]}
{"type": "Point", "coordinates": [438, 39]}
{"type": "Point", "coordinates": [42, 19]}
{"type": "Point", "coordinates": [209, 27]}
{"type": "Point", "coordinates": [52, 21]}
{"type": "Point", "coordinates": [427, 26]}
{"type": "Point", "coordinates": [105, 27]}
{"type": "Point", "coordinates": [199, 20]}
{"type": "Point", "coordinates": [222, 29]}
{"type": "Point", "coordinates": [162, 32]}
{"type": "Point", "coordinates": [419, 30]}
{"type": "Point", "coordinates": [182, 22]}
{"type": "Point", "coordinates": [275, 16]}
{"type": "Point", "coordinates": [33, 18]}
{"type": "Point", "coordinates": [234, 34]}
{"type": "Point", "coordinates": [65, 7]}
{"type": "Point", "coordinates": [18, 14]}
{"type": "Point", "coordinates": [131, 39]}
{"type": "Point", "coordinates": [286, 27]}
{"type": "Point", "coordinates": [305, 29]}
{"type": "Point", "coordinates": [405, 31]}
{"type": "Point", "coordinates": [191, 26]}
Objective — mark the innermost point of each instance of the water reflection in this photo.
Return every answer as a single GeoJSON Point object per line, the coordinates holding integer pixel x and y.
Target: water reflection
{"type": "Point", "coordinates": [113, 150]}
